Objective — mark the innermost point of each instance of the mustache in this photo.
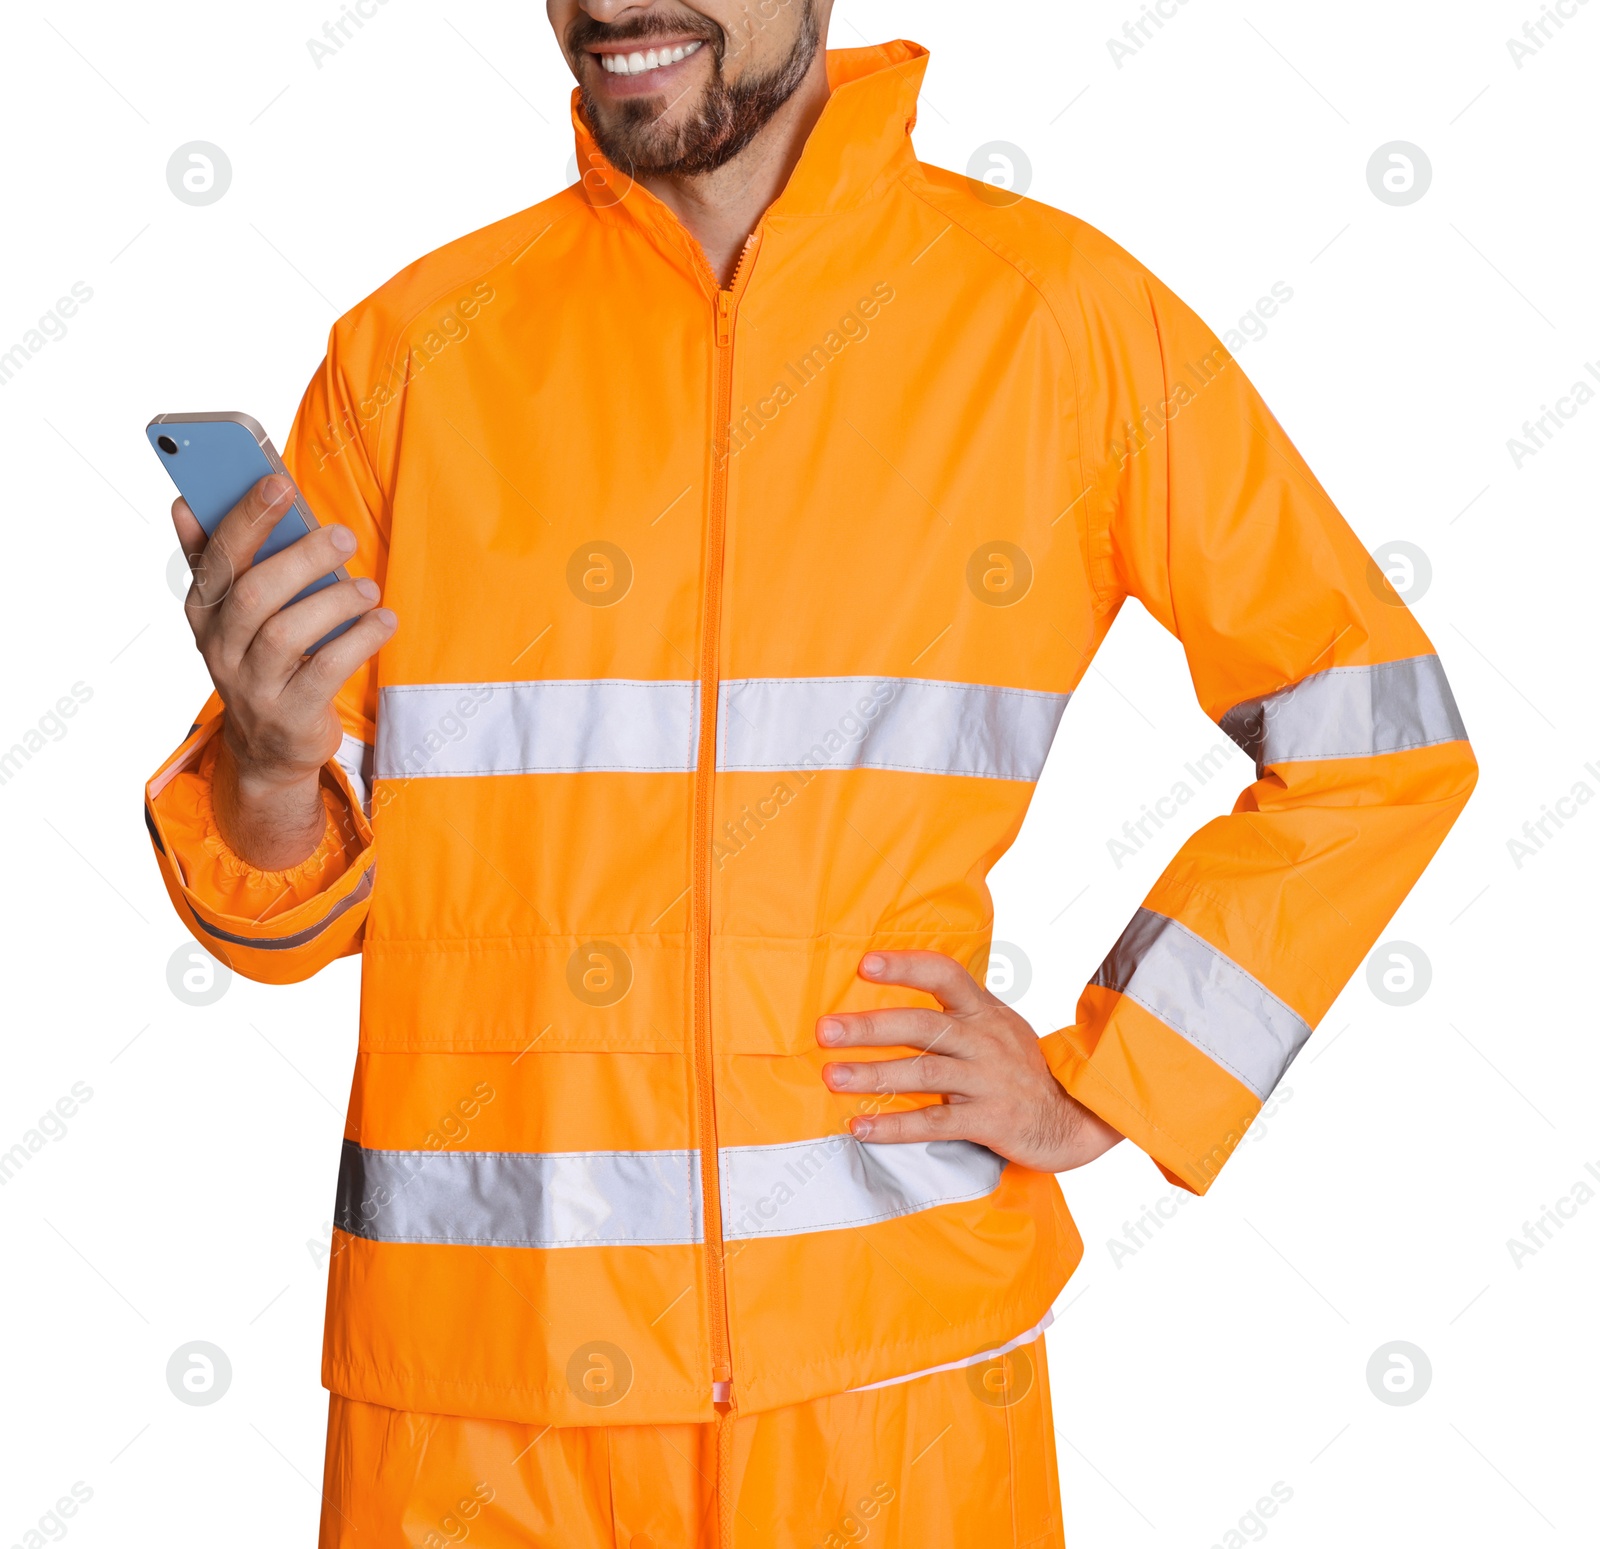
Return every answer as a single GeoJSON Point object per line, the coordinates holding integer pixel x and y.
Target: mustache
{"type": "Point", "coordinates": [585, 30]}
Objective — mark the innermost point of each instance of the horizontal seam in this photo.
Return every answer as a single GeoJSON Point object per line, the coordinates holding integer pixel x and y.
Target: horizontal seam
{"type": "Point", "coordinates": [417, 946]}
{"type": "Point", "coordinates": [677, 685]}
{"type": "Point", "coordinates": [1269, 758]}
{"type": "Point", "coordinates": [427, 1380]}
{"type": "Point", "coordinates": [980, 688]}
{"type": "Point", "coordinates": [1336, 672]}
{"type": "Point", "coordinates": [873, 763]}
{"type": "Point", "coordinates": [892, 1215]}
{"type": "Point", "coordinates": [459, 774]}
{"type": "Point", "coordinates": [685, 1152]}
{"type": "Point", "coordinates": [524, 1245]}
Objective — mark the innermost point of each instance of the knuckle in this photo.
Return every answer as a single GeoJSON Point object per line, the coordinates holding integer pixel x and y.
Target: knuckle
{"type": "Point", "coordinates": [319, 670]}
{"type": "Point", "coordinates": [248, 595]}
{"type": "Point", "coordinates": [274, 636]}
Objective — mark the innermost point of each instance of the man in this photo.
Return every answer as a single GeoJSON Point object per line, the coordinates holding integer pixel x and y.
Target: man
{"type": "Point", "coordinates": [744, 517]}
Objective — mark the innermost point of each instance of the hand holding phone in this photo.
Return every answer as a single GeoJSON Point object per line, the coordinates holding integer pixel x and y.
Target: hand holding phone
{"type": "Point", "coordinates": [264, 618]}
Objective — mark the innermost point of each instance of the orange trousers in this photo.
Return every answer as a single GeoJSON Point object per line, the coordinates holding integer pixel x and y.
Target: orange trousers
{"type": "Point", "coordinates": [959, 1459]}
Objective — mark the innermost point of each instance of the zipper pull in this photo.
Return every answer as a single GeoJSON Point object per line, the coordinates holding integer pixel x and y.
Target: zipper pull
{"type": "Point", "coordinates": [724, 319]}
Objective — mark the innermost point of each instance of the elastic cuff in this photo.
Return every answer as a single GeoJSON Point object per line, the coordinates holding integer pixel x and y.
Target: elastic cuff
{"type": "Point", "coordinates": [338, 845]}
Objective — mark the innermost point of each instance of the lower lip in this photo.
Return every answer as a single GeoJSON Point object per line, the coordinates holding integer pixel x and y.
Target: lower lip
{"type": "Point", "coordinates": [650, 81]}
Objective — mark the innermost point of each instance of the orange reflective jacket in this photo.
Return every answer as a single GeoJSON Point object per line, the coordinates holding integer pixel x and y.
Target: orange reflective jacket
{"type": "Point", "coordinates": [735, 627]}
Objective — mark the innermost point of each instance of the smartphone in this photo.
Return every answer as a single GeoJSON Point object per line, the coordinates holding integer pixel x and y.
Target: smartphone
{"type": "Point", "coordinates": [215, 459]}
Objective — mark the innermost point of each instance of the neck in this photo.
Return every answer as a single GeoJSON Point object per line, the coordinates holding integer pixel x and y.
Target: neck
{"type": "Point", "coordinates": [723, 207]}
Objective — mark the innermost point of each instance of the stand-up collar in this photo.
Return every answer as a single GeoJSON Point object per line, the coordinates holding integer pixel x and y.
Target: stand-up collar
{"type": "Point", "coordinates": [861, 142]}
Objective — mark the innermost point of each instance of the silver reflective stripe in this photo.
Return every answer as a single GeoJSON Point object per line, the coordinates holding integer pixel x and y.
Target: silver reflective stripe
{"type": "Point", "coordinates": [567, 726]}
{"type": "Point", "coordinates": [355, 757]}
{"type": "Point", "coordinates": [1349, 712]}
{"type": "Point", "coordinates": [574, 1199]}
{"type": "Point", "coordinates": [916, 724]}
{"type": "Point", "coordinates": [823, 1185]}
{"type": "Point", "coordinates": [549, 727]}
{"type": "Point", "coordinates": [1206, 997]}
{"type": "Point", "coordinates": [520, 1199]}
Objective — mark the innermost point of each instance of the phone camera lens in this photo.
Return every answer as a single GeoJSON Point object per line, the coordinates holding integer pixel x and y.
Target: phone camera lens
{"type": "Point", "coordinates": [167, 444]}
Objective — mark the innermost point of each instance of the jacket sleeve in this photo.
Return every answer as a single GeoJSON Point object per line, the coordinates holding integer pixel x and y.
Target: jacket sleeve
{"type": "Point", "coordinates": [282, 926]}
{"type": "Point", "coordinates": [1305, 656]}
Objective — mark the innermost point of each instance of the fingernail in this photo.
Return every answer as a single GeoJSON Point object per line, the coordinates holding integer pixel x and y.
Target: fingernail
{"type": "Point", "coordinates": [277, 492]}
{"type": "Point", "coordinates": [384, 616]}
{"type": "Point", "coordinates": [872, 964]}
{"type": "Point", "coordinates": [841, 1075]}
{"type": "Point", "coordinates": [861, 1128]}
{"type": "Point", "coordinates": [367, 589]}
{"type": "Point", "coordinates": [830, 1031]}
{"type": "Point", "coordinates": [343, 539]}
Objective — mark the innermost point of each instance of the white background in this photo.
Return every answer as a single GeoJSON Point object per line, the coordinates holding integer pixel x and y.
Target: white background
{"type": "Point", "coordinates": [188, 1198]}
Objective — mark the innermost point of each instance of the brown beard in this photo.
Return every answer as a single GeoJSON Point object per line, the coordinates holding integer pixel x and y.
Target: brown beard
{"type": "Point", "coordinates": [727, 119]}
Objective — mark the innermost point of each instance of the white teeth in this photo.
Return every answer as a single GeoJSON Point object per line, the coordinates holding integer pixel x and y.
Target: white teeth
{"type": "Point", "coordinates": [656, 59]}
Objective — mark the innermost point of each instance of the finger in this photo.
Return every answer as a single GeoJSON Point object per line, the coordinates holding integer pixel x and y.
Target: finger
{"type": "Point", "coordinates": [937, 1121]}
{"type": "Point", "coordinates": [940, 976]}
{"type": "Point", "coordinates": [237, 536]}
{"type": "Point", "coordinates": [920, 1073]}
{"type": "Point", "coordinates": [320, 677]}
{"type": "Point", "coordinates": [263, 590]}
{"type": "Point", "coordinates": [274, 654]}
{"type": "Point", "coordinates": [191, 535]}
{"type": "Point", "coordinates": [914, 1027]}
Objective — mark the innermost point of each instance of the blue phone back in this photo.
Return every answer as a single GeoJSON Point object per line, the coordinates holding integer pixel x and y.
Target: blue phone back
{"type": "Point", "coordinates": [216, 464]}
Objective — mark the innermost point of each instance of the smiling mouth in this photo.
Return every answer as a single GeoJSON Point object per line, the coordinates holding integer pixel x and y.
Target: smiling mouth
{"type": "Point", "coordinates": [642, 61]}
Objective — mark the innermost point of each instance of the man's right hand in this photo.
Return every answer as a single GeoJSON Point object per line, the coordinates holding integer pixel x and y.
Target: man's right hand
{"type": "Point", "coordinates": [280, 726]}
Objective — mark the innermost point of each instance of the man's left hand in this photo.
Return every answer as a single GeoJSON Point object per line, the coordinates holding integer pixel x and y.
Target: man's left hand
{"type": "Point", "coordinates": [978, 1055]}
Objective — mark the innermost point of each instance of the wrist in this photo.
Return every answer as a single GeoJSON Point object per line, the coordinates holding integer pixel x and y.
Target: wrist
{"type": "Point", "coordinates": [271, 818]}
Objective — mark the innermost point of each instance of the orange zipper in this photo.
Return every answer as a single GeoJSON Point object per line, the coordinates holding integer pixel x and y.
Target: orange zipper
{"type": "Point", "coordinates": [727, 301]}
